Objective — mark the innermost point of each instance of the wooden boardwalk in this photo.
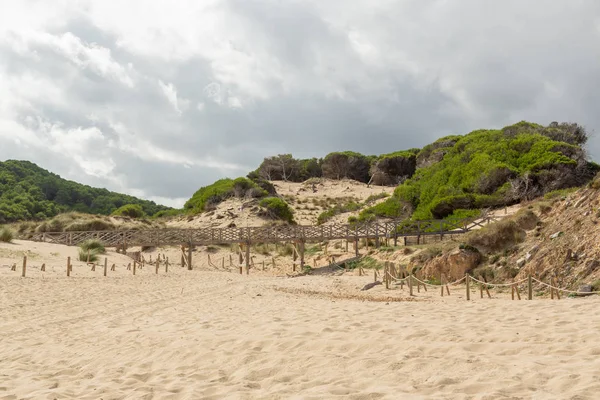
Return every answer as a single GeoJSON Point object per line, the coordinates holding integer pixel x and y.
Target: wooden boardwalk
{"type": "Point", "coordinates": [392, 229]}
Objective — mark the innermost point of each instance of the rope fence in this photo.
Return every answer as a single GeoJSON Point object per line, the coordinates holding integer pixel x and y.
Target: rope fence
{"type": "Point", "coordinates": [134, 266]}
{"type": "Point", "coordinates": [399, 276]}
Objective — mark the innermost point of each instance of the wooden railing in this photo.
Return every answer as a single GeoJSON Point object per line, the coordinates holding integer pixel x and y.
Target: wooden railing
{"type": "Point", "coordinates": [392, 229]}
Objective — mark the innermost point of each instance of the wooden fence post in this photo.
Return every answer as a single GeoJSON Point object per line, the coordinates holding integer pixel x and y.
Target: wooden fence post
{"type": "Point", "coordinates": [529, 288]}
{"type": "Point", "coordinates": [386, 275]}
{"type": "Point", "coordinates": [467, 284]}
{"type": "Point", "coordinates": [24, 266]}
{"type": "Point", "coordinates": [68, 266]}
{"type": "Point", "coordinates": [105, 265]}
{"type": "Point", "coordinates": [189, 260]}
{"type": "Point", "coordinates": [410, 285]}
{"type": "Point", "coordinates": [167, 265]}
{"type": "Point", "coordinates": [134, 265]}
{"type": "Point", "coordinates": [248, 258]}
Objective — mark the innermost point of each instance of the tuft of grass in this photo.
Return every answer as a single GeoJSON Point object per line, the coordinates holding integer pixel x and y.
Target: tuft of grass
{"type": "Point", "coordinates": [337, 209]}
{"type": "Point", "coordinates": [262, 249]}
{"type": "Point", "coordinates": [365, 263]}
{"type": "Point", "coordinates": [93, 245]}
{"type": "Point", "coordinates": [486, 272]}
{"type": "Point", "coordinates": [285, 250]}
{"type": "Point", "coordinates": [6, 235]}
{"type": "Point", "coordinates": [83, 255]}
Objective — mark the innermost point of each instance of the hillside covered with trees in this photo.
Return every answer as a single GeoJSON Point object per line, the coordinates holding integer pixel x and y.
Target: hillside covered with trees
{"type": "Point", "coordinates": [30, 192]}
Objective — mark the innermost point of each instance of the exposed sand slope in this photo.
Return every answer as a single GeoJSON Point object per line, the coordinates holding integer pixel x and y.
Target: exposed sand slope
{"type": "Point", "coordinates": [213, 335]}
{"type": "Point", "coordinates": [307, 205]}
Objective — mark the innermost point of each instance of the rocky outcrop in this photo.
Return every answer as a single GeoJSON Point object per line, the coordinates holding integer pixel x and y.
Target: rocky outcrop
{"type": "Point", "coordinates": [453, 265]}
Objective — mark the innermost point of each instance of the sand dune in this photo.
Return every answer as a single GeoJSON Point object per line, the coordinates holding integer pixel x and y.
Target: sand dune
{"type": "Point", "coordinates": [213, 335]}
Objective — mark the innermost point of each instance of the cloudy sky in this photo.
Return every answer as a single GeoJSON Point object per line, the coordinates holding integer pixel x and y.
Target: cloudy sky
{"type": "Point", "coordinates": [157, 98]}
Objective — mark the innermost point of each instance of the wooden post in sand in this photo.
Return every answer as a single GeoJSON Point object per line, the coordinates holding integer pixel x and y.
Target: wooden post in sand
{"type": "Point", "coordinates": [248, 258]}
{"type": "Point", "coordinates": [189, 260]}
{"type": "Point", "coordinates": [24, 266]}
{"type": "Point", "coordinates": [68, 266]}
{"type": "Point", "coordinates": [529, 288]}
{"type": "Point", "coordinates": [410, 289]}
{"type": "Point", "coordinates": [134, 265]}
{"type": "Point", "coordinates": [105, 265]}
{"type": "Point", "coordinates": [157, 264]}
{"type": "Point", "coordinates": [556, 290]}
{"type": "Point", "coordinates": [302, 255]}
{"type": "Point", "coordinates": [167, 265]}
{"type": "Point", "coordinates": [442, 284]}
{"type": "Point", "coordinates": [386, 275]}
{"type": "Point", "coordinates": [468, 288]}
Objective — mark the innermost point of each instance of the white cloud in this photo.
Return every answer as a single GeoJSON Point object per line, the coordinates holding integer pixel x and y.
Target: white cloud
{"type": "Point", "coordinates": [170, 92]}
{"type": "Point", "coordinates": [96, 58]}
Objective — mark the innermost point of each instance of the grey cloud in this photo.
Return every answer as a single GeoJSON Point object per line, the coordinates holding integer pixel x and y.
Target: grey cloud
{"type": "Point", "coordinates": [427, 69]}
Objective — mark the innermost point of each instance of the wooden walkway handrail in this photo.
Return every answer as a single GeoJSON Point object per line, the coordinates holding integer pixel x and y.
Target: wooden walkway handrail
{"type": "Point", "coordinates": [264, 234]}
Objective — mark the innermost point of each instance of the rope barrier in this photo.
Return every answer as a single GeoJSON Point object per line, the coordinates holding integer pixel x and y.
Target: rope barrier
{"type": "Point", "coordinates": [425, 283]}
{"type": "Point", "coordinates": [498, 284]}
{"type": "Point", "coordinates": [563, 290]}
{"type": "Point", "coordinates": [488, 284]}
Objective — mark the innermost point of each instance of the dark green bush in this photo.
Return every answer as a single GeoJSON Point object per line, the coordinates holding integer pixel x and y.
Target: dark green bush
{"type": "Point", "coordinates": [276, 208]}
{"type": "Point", "coordinates": [129, 210]}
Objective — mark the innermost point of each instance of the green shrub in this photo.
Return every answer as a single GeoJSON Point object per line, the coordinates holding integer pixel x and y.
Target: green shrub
{"type": "Point", "coordinates": [374, 197]}
{"type": "Point", "coordinates": [557, 194]}
{"type": "Point", "coordinates": [209, 196]}
{"type": "Point", "coordinates": [93, 245]}
{"type": "Point", "coordinates": [129, 210]}
{"type": "Point", "coordinates": [6, 235]}
{"type": "Point", "coordinates": [276, 208]}
{"type": "Point", "coordinates": [168, 213]}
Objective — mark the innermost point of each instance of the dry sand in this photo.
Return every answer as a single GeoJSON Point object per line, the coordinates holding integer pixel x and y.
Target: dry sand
{"type": "Point", "coordinates": [212, 335]}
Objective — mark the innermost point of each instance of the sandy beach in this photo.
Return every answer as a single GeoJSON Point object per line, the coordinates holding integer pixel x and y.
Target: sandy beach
{"type": "Point", "coordinates": [212, 335]}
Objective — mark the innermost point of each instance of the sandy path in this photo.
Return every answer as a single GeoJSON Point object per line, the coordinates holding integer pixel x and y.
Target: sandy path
{"type": "Point", "coordinates": [191, 335]}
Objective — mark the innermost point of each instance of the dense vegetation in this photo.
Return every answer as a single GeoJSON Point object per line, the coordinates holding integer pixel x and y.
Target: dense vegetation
{"type": "Point", "coordinates": [207, 197]}
{"type": "Point", "coordinates": [30, 192]}
{"type": "Point", "coordinates": [489, 168]}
